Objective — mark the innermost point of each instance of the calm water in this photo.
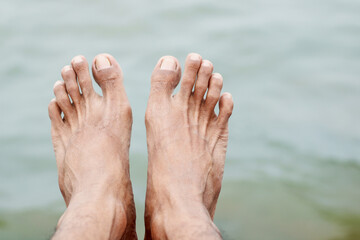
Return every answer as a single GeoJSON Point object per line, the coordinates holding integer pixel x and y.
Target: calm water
{"type": "Point", "coordinates": [293, 67]}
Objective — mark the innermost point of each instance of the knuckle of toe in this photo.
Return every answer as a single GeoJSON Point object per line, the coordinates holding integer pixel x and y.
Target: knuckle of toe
{"type": "Point", "coordinates": [161, 76]}
{"type": "Point", "coordinates": [205, 71]}
{"type": "Point", "coordinates": [193, 64]}
{"type": "Point", "coordinates": [217, 83]}
{"type": "Point", "coordinates": [202, 86]}
{"type": "Point", "coordinates": [212, 97]}
{"type": "Point", "coordinates": [230, 110]}
{"type": "Point", "coordinates": [229, 113]}
{"type": "Point", "coordinates": [84, 81]}
{"type": "Point", "coordinates": [62, 98]}
{"type": "Point", "coordinates": [113, 77]}
{"type": "Point", "coordinates": [72, 88]}
{"type": "Point", "coordinates": [187, 81]}
{"type": "Point", "coordinates": [164, 80]}
{"type": "Point", "coordinates": [80, 66]}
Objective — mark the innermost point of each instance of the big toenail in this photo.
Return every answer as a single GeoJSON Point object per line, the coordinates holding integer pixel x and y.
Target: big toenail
{"type": "Point", "coordinates": [102, 62]}
{"type": "Point", "coordinates": [168, 63]}
{"type": "Point", "coordinates": [77, 59]}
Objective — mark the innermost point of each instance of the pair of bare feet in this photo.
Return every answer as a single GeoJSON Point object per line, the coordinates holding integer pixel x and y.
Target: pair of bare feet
{"type": "Point", "coordinates": [186, 141]}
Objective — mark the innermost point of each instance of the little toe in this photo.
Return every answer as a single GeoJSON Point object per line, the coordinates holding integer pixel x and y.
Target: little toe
{"type": "Point", "coordinates": [213, 94]}
{"type": "Point", "coordinates": [165, 77]}
{"type": "Point", "coordinates": [55, 114]}
{"type": "Point", "coordinates": [202, 82]}
{"type": "Point", "coordinates": [71, 84]}
{"type": "Point", "coordinates": [192, 65]}
{"type": "Point", "coordinates": [108, 74]}
{"type": "Point", "coordinates": [226, 106]}
{"type": "Point", "coordinates": [64, 103]}
{"type": "Point", "coordinates": [81, 68]}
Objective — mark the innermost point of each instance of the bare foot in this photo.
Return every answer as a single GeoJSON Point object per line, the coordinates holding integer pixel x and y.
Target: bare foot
{"type": "Point", "coordinates": [187, 144]}
{"type": "Point", "coordinates": [91, 145]}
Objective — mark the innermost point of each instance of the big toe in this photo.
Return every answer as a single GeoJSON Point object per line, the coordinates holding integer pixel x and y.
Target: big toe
{"type": "Point", "coordinates": [165, 77]}
{"type": "Point", "coordinates": [108, 74]}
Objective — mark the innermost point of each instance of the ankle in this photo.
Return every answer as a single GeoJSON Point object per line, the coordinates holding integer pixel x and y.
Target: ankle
{"type": "Point", "coordinates": [181, 220]}
{"type": "Point", "coordinates": [104, 214]}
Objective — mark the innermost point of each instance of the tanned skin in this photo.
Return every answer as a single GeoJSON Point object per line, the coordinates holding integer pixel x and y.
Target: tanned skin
{"type": "Point", "coordinates": [187, 144]}
{"type": "Point", "coordinates": [91, 146]}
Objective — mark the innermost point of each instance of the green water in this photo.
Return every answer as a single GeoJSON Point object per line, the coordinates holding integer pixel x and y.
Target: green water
{"type": "Point", "coordinates": [293, 67]}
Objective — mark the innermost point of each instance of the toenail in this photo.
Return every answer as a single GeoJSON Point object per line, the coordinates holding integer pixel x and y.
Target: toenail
{"type": "Point", "coordinates": [77, 59]}
{"type": "Point", "coordinates": [206, 64]}
{"type": "Point", "coordinates": [217, 75]}
{"type": "Point", "coordinates": [58, 83]}
{"type": "Point", "coordinates": [66, 68]}
{"type": "Point", "coordinates": [227, 95]}
{"type": "Point", "coordinates": [168, 63]}
{"type": "Point", "coordinates": [194, 57]}
{"type": "Point", "coordinates": [102, 62]}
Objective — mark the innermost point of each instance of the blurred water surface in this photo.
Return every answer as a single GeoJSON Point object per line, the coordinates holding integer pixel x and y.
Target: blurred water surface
{"type": "Point", "coordinates": [293, 67]}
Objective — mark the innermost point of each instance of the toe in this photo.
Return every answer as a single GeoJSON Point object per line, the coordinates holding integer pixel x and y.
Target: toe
{"type": "Point", "coordinates": [64, 103]}
{"type": "Point", "coordinates": [202, 82]}
{"type": "Point", "coordinates": [108, 74]}
{"type": "Point", "coordinates": [192, 65]}
{"type": "Point", "coordinates": [165, 77]}
{"type": "Point", "coordinates": [213, 94]}
{"type": "Point", "coordinates": [71, 84]}
{"type": "Point", "coordinates": [226, 106]}
{"type": "Point", "coordinates": [81, 68]}
{"type": "Point", "coordinates": [55, 114]}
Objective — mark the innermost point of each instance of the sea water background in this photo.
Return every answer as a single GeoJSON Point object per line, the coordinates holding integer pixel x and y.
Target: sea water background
{"type": "Point", "coordinates": [293, 67]}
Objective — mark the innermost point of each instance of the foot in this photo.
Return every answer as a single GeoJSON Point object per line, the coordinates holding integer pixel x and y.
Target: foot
{"type": "Point", "coordinates": [187, 144]}
{"type": "Point", "coordinates": [91, 144]}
